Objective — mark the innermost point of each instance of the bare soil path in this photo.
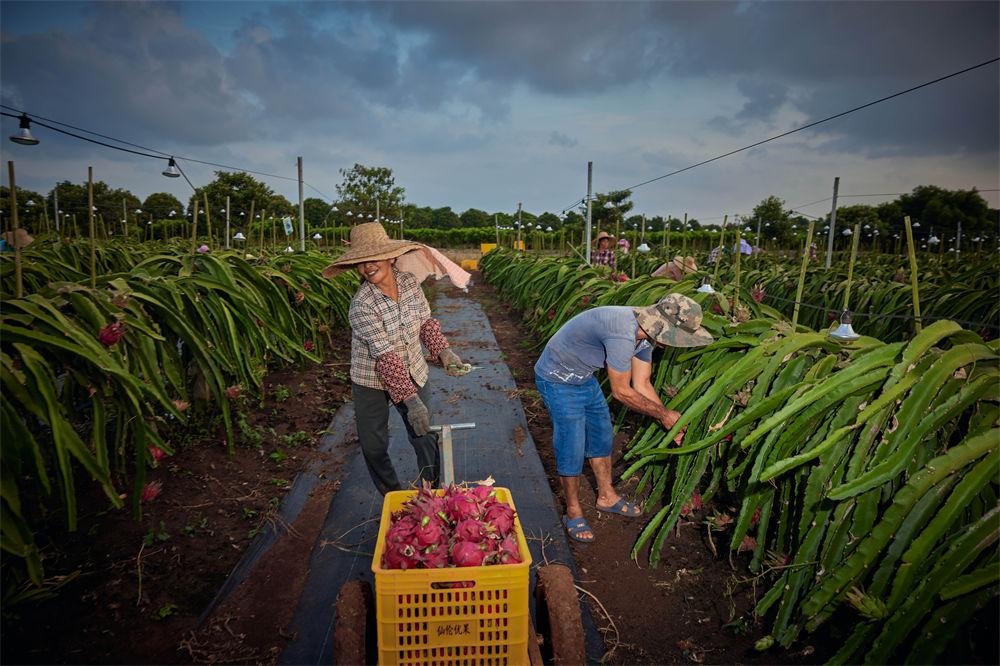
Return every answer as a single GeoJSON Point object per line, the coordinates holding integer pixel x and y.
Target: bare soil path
{"type": "Point", "coordinates": [143, 585]}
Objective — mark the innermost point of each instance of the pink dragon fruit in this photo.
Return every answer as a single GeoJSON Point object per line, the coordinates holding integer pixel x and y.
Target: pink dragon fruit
{"type": "Point", "coordinates": [472, 530]}
{"type": "Point", "coordinates": [507, 552]}
{"type": "Point", "coordinates": [468, 554]}
{"type": "Point", "coordinates": [461, 507]}
{"type": "Point", "coordinates": [401, 556]}
{"type": "Point", "coordinates": [431, 531]}
{"type": "Point", "coordinates": [483, 493]}
{"type": "Point", "coordinates": [435, 557]}
{"type": "Point", "coordinates": [500, 516]}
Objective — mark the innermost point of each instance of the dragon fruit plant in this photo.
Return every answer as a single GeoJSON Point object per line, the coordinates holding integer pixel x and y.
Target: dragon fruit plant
{"type": "Point", "coordinates": [462, 527]}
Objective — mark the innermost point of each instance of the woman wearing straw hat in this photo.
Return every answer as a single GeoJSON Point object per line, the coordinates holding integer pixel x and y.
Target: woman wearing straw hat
{"type": "Point", "coordinates": [603, 254]}
{"type": "Point", "coordinates": [677, 268]}
{"type": "Point", "coordinates": [390, 323]}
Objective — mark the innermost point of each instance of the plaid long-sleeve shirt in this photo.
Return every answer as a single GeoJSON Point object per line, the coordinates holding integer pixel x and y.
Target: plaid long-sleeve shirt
{"type": "Point", "coordinates": [602, 258]}
{"type": "Point", "coordinates": [380, 325]}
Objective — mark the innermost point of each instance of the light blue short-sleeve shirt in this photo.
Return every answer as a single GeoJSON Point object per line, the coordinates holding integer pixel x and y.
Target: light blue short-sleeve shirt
{"type": "Point", "coordinates": [589, 341]}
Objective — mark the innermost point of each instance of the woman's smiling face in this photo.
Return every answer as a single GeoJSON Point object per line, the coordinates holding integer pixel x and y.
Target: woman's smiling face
{"type": "Point", "coordinates": [375, 272]}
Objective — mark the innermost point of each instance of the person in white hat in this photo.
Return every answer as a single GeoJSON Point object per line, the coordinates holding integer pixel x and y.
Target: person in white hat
{"type": "Point", "coordinates": [390, 324]}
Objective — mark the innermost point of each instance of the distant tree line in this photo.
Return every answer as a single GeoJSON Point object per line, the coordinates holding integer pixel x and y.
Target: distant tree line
{"type": "Point", "coordinates": [369, 192]}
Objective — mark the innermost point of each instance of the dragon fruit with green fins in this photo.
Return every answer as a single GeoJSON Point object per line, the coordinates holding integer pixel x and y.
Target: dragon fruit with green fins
{"type": "Point", "coordinates": [460, 527]}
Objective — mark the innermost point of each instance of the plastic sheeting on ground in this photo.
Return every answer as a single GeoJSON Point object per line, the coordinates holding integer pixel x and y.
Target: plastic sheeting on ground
{"type": "Point", "coordinates": [499, 446]}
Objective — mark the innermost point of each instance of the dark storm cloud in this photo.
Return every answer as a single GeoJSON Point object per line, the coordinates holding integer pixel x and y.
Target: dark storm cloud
{"type": "Point", "coordinates": [552, 47]}
{"type": "Point", "coordinates": [133, 66]}
{"type": "Point", "coordinates": [835, 56]}
{"type": "Point", "coordinates": [763, 100]}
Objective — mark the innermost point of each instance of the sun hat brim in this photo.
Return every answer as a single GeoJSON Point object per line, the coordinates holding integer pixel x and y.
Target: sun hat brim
{"type": "Point", "coordinates": [661, 327]}
{"type": "Point", "coordinates": [354, 256]}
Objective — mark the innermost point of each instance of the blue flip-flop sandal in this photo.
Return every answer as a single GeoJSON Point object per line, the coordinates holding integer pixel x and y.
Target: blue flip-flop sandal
{"type": "Point", "coordinates": [576, 527]}
{"type": "Point", "coordinates": [622, 508]}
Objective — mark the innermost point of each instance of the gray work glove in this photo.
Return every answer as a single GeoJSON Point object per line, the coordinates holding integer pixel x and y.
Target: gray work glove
{"type": "Point", "coordinates": [418, 416]}
{"type": "Point", "coordinates": [453, 365]}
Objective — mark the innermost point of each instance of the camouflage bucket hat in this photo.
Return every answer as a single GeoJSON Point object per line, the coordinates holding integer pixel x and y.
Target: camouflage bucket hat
{"type": "Point", "coordinates": [675, 321]}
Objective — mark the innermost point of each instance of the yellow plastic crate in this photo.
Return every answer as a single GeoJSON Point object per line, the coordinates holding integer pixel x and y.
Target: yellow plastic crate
{"type": "Point", "coordinates": [423, 616]}
{"type": "Point", "coordinates": [485, 248]}
{"type": "Point", "coordinates": [470, 264]}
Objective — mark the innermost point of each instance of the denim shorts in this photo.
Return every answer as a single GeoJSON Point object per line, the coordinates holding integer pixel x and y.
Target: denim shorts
{"type": "Point", "coordinates": [581, 423]}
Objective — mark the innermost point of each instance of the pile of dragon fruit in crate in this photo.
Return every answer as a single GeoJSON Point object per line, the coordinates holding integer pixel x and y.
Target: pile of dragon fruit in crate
{"type": "Point", "coordinates": [461, 527]}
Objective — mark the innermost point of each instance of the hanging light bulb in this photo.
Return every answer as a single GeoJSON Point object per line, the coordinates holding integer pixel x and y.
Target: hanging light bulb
{"type": "Point", "coordinates": [847, 231]}
{"type": "Point", "coordinates": [171, 170]}
{"type": "Point", "coordinates": [933, 240]}
{"type": "Point", "coordinates": [915, 225]}
{"type": "Point", "coordinates": [844, 332]}
{"type": "Point", "coordinates": [548, 228]}
{"type": "Point", "coordinates": [706, 287]}
{"type": "Point", "coordinates": [316, 236]}
{"type": "Point", "coordinates": [289, 249]}
{"type": "Point", "coordinates": [239, 236]}
{"type": "Point", "coordinates": [23, 135]}
{"type": "Point", "coordinates": [643, 247]}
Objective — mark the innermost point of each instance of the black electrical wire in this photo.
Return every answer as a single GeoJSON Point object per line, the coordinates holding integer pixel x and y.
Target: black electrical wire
{"type": "Point", "coordinates": [807, 126]}
{"type": "Point", "coordinates": [817, 122]}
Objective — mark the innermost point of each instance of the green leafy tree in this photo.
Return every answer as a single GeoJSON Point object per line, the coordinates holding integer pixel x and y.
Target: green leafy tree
{"type": "Point", "coordinates": [476, 218]}
{"type": "Point", "coordinates": [108, 204]}
{"type": "Point", "coordinates": [773, 218]}
{"type": "Point", "coordinates": [161, 204]}
{"type": "Point", "coordinates": [945, 209]}
{"type": "Point", "coordinates": [364, 186]}
{"type": "Point", "coordinates": [32, 216]}
{"type": "Point", "coordinates": [445, 218]}
{"type": "Point", "coordinates": [243, 191]}
{"type": "Point", "coordinates": [318, 213]}
{"type": "Point", "coordinates": [608, 209]}
{"type": "Point", "coordinates": [279, 206]}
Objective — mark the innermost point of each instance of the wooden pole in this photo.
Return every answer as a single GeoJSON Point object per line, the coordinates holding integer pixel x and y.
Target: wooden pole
{"type": "Point", "coordinates": [850, 266]}
{"type": "Point", "coordinates": [194, 229]}
{"type": "Point", "coordinates": [208, 220]}
{"type": "Point", "coordinates": [718, 257]}
{"type": "Point", "coordinates": [18, 276]}
{"type": "Point", "coordinates": [739, 254]}
{"type": "Point", "coordinates": [802, 275]}
{"type": "Point", "coordinates": [253, 203]}
{"type": "Point", "coordinates": [684, 239]}
{"type": "Point", "coordinates": [93, 241]}
{"type": "Point", "coordinates": [913, 272]}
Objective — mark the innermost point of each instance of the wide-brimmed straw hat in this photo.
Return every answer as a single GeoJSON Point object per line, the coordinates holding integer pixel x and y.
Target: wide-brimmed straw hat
{"type": "Point", "coordinates": [675, 321]}
{"type": "Point", "coordinates": [369, 242]}
{"type": "Point", "coordinates": [686, 264]}
{"type": "Point", "coordinates": [603, 234]}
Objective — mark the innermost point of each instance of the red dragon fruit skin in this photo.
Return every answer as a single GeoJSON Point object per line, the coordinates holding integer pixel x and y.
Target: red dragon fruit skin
{"type": "Point", "coordinates": [472, 530]}
{"type": "Point", "coordinates": [500, 516]}
{"type": "Point", "coordinates": [463, 507]}
{"type": "Point", "coordinates": [482, 492]}
{"type": "Point", "coordinates": [431, 531]}
{"type": "Point", "coordinates": [435, 557]}
{"type": "Point", "coordinates": [468, 554]}
{"type": "Point", "coordinates": [508, 553]}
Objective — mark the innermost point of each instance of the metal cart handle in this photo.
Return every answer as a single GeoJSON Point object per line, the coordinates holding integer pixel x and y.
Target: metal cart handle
{"type": "Point", "coordinates": [447, 459]}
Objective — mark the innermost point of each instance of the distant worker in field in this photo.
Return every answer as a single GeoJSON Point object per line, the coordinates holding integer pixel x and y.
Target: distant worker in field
{"type": "Point", "coordinates": [390, 319]}
{"type": "Point", "coordinates": [677, 268]}
{"type": "Point", "coordinates": [619, 338]}
{"type": "Point", "coordinates": [603, 253]}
